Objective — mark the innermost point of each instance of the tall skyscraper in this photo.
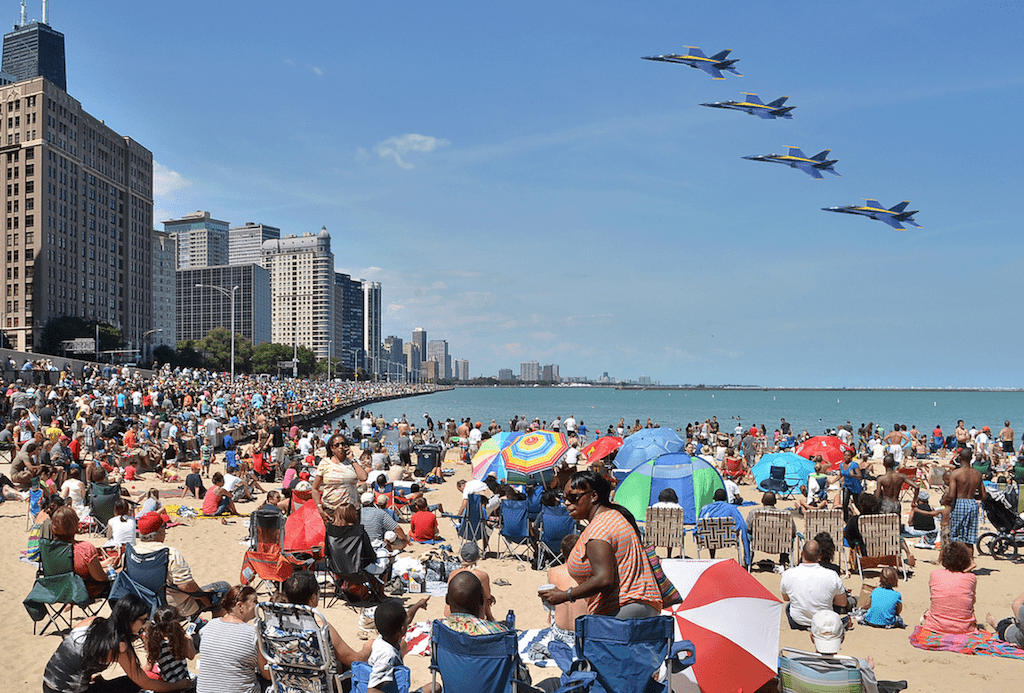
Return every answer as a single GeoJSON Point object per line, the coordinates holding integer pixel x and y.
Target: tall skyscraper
{"type": "Point", "coordinates": [372, 327]}
{"type": "Point", "coordinates": [302, 290]}
{"type": "Point", "coordinates": [202, 241]}
{"type": "Point", "coordinates": [419, 338]}
{"type": "Point", "coordinates": [463, 369]}
{"type": "Point", "coordinates": [437, 351]}
{"type": "Point", "coordinates": [33, 50]}
{"type": "Point", "coordinates": [245, 243]}
{"type": "Point", "coordinates": [412, 361]}
{"type": "Point", "coordinates": [164, 305]}
{"type": "Point", "coordinates": [79, 203]}
{"type": "Point", "coordinates": [395, 357]}
{"type": "Point", "coordinates": [348, 342]}
{"type": "Point", "coordinates": [529, 371]}
{"type": "Point", "coordinates": [201, 309]}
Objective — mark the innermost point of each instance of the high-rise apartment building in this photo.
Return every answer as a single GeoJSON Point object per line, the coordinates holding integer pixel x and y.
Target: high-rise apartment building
{"type": "Point", "coordinates": [413, 358]}
{"type": "Point", "coordinates": [437, 351]}
{"type": "Point", "coordinates": [549, 373]}
{"type": "Point", "coordinates": [164, 286]}
{"type": "Point", "coordinates": [33, 49]}
{"type": "Point", "coordinates": [202, 241]}
{"type": "Point", "coordinates": [245, 243]}
{"type": "Point", "coordinates": [419, 338]}
{"type": "Point", "coordinates": [372, 327]}
{"type": "Point", "coordinates": [201, 309]}
{"type": "Point", "coordinates": [463, 369]}
{"type": "Point", "coordinates": [79, 201]}
{"type": "Point", "coordinates": [529, 371]}
{"type": "Point", "coordinates": [505, 375]}
{"type": "Point", "coordinates": [302, 289]}
{"type": "Point", "coordinates": [348, 341]}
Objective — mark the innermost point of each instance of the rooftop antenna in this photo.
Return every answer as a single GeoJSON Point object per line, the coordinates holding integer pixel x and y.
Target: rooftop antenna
{"type": "Point", "coordinates": [22, 13]}
{"type": "Point", "coordinates": [46, 14]}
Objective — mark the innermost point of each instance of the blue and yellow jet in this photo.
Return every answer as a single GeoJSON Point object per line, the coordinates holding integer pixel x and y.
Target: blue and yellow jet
{"type": "Point", "coordinates": [695, 58]}
{"type": "Point", "coordinates": [874, 209]}
{"type": "Point", "coordinates": [756, 107]}
{"type": "Point", "coordinates": [812, 166]}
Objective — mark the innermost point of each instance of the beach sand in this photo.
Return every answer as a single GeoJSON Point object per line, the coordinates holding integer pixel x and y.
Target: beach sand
{"type": "Point", "coordinates": [215, 551]}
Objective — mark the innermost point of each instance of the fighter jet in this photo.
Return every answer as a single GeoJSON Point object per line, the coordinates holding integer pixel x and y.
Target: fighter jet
{"type": "Point", "coordinates": [695, 58]}
{"type": "Point", "coordinates": [874, 209]}
{"type": "Point", "coordinates": [754, 106]}
{"type": "Point", "coordinates": [812, 166]}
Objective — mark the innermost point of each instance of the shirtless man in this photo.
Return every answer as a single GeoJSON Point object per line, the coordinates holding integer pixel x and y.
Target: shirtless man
{"type": "Point", "coordinates": [890, 484]}
{"type": "Point", "coordinates": [966, 489]}
{"type": "Point", "coordinates": [896, 439]}
{"type": "Point", "coordinates": [563, 619]}
{"type": "Point", "coordinates": [1006, 439]}
{"type": "Point", "coordinates": [962, 436]}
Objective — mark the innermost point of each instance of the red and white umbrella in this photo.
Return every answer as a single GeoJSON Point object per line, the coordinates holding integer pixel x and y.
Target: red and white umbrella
{"type": "Point", "coordinates": [733, 622]}
{"type": "Point", "coordinates": [829, 447]}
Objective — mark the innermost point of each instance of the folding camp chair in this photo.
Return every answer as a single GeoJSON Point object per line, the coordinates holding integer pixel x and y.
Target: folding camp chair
{"type": "Point", "coordinates": [555, 524]}
{"type": "Point", "coordinates": [350, 557]}
{"type": "Point", "coordinates": [265, 566]}
{"type": "Point", "coordinates": [715, 533]}
{"type": "Point", "coordinates": [57, 587]}
{"type": "Point", "coordinates": [881, 535]}
{"type": "Point", "coordinates": [533, 497]}
{"type": "Point", "coordinates": [475, 663]}
{"type": "Point", "coordinates": [515, 529]}
{"type": "Point", "coordinates": [361, 677]}
{"type": "Point", "coordinates": [296, 642]}
{"type": "Point", "coordinates": [102, 498]}
{"type": "Point", "coordinates": [810, 672]}
{"type": "Point", "coordinates": [771, 531]}
{"type": "Point", "coordinates": [472, 526]}
{"type": "Point", "coordinates": [777, 483]}
{"type": "Point", "coordinates": [664, 527]}
{"type": "Point", "coordinates": [621, 656]}
{"type": "Point", "coordinates": [830, 522]}
{"type": "Point", "coordinates": [144, 575]}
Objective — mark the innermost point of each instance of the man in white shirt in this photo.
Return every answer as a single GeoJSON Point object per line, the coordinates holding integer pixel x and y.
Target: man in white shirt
{"type": "Point", "coordinates": [810, 587]}
{"type": "Point", "coordinates": [475, 436]}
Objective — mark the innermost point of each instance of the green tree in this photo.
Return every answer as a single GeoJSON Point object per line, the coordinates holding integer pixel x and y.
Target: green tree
{"type": "Point", "coordinates": [189, 356]}
{"type": "Point", "coordinates": [57, 330]}
{"type": "Point", "coordinates": [216, 347]}
{"type": "Point", "coordinates": [165, 354]}
{"type": "Point", "coordinates": [267, 354]}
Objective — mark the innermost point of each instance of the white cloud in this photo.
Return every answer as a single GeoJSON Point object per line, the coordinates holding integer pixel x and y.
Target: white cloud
{"type": "Point", "coordinates": [167, 182]}
{"type": "Point", "coordinates": [396, 147]}
{"type": "Point", "coordinates": [438, 285]}
{"type": "Point", "coordinates": [543, 336]}
{"type": "Point", "coordinates": [316, 70]}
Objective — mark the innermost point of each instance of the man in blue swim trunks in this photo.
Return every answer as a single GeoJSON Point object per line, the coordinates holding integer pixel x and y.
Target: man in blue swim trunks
{"type": "Point", "coordinates": [966, 488]}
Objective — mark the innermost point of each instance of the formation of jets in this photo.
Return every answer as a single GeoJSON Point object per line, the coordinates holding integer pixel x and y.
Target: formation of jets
{"type": "Point", "coordinates": [813, 166]}
{"type": "Point", "coordinates": [696, 59]}
{"type": "Point", "coordinates": [756, 107]}
{"type": "Point", "coordinates": [874, 209]}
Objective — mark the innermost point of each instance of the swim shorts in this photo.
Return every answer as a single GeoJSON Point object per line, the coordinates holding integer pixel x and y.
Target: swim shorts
{"type": "Point", "coordinates": [963, 521]}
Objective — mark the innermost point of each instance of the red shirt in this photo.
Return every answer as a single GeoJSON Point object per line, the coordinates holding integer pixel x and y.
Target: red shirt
{"type": "Point", "coordinates": [423, 526]}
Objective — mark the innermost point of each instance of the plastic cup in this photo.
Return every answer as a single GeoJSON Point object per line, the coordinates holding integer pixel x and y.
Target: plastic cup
{"type": "Point", "coordinates": [547, 605]}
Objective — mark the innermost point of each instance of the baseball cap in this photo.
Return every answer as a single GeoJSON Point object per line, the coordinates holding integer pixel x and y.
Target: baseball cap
{"type": "Point", "coordinates": [303, 486]}
{"type": "Point", "coordinates": [470, 552]}
{"type": "Point", "coordinates": [366, 498]}
{"type": "Point", "coordinates": [827, 632]}
{"type": "Point", "coordinates": [149, 523]}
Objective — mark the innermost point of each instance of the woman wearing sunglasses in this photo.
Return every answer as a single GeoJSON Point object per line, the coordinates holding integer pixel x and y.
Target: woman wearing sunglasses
{"type": "Point", "coordinates": [608, 563]}
{"type": "Point", "coordinates": [337, 476]}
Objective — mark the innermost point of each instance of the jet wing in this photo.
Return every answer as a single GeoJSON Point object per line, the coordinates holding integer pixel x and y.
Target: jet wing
{"type": "Point", "coordinates": [891, 221]}
{"type": "Point", "coordinates": [711, 70]}
{"type": "Point", "coordinates": [762, 113]}
{"type": "Point", "coordinates": [809, 170]}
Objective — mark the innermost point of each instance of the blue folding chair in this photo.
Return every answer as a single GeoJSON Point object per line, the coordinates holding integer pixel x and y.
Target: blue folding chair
{"type": "Point", "coordinates": [144, 575]}
{"type": "Point", "coordinates": [620, 655]}
{"type": "Point", "coordinates": [777, 483]}
{"type": "Point", "coordinates": [515, 529]}
{"type": "Point", "coordinates": [475, 663]}
{"type": "Point", "coordinates": [361, 677]}
{"type": "Point", "coordinates": [555, 524]}
{"type": "Point", "coordinates": [473, 524]}
{"type": "Point", "coordinates": [533, 496]}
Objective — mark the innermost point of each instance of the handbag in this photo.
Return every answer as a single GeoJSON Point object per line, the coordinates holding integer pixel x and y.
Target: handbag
{"type": "Point", "coordinates": [669, 594]}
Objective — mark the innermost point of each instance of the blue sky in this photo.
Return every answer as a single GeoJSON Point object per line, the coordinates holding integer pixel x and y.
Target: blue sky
{"type": "Point", "coordinates": [524, 186]}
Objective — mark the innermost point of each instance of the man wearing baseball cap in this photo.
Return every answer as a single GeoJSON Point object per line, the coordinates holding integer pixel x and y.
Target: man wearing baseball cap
{"type": "Point", "coordinates": [182, 591]}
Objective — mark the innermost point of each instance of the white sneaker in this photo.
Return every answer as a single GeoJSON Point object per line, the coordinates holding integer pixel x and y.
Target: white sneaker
{"type": "Point", "coordinates": [924, 545]}
{"type": "Point", "coordinates": [778, 569]}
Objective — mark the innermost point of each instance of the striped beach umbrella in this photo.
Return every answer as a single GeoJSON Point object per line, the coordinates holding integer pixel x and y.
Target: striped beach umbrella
{"type": "Point", "coordinates": [693, 479]}
{"type": "Point", "coordinates": [487, 460]}
{"type": "Point", "coordinates": [532, 454]}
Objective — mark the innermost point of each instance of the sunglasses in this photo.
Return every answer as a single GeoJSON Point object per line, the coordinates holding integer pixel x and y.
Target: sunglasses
{"type": "Point", "coordinates": [573, 498]}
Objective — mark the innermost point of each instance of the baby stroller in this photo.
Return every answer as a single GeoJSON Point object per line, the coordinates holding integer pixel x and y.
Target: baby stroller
{"type": "Point", "coordinates": [1000, 508]}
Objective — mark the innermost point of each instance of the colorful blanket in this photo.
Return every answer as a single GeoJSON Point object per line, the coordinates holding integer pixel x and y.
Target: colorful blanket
{"type": "Point", "coordinates": [418, 638]}
{"type": "Point", "coordinates": [978, 642]}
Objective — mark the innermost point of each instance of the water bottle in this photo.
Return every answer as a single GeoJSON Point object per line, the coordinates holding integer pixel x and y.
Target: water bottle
{"type": "Point", "coordinates": [510, 620]}
{"type": "Point", "coordinates": [111, 573]}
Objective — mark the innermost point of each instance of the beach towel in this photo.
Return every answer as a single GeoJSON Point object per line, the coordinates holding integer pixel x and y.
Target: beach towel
{"type": "Point", "coordinates": [418, 639]}
{"type": "Point", "coordinates": [532, 643]}
{"type": "Point", "coordinates": [978, 642]}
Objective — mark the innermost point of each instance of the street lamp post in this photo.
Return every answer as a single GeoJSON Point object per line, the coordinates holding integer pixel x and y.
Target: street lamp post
{"type": "Point", "coordinates": [144, 343]}
{"type": "Point", "coordinates": [230, 295]}
{"type": "Point", "coordinates": [329, 345]}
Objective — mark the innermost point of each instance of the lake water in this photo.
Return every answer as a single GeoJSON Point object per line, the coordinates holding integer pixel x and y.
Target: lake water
{"type": "Point", "coordinates": [813, 410]}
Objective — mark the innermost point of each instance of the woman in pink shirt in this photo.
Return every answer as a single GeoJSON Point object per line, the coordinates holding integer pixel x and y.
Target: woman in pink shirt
{"type": "Point", "coordinates": [952, 591]}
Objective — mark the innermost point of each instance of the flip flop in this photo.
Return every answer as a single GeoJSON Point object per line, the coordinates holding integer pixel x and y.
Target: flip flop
{"type": "Point", "coordinates": [502, 582]}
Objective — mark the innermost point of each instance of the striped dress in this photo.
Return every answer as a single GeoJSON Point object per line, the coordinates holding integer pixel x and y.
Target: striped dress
{"type": "Point", "coordinates": [228, 658]}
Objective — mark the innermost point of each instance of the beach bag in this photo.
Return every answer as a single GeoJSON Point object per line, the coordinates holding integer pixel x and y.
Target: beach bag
{"type": "Point", "coordinates": [669, 594]}
{"type": "Point", "coordinates": [864, 600]}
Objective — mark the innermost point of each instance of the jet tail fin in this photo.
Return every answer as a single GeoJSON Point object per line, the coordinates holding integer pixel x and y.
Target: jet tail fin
{"type": "Point", "coordinates": [720, 56]}
{"type": "Point", "coordinates": [782, 112]}
{"type": "Point", "coordinates": [778, 102]}
{"type": "Point", "coordinates": [900, 207]}
{"type": "Point", "coordinates": [820, 156]}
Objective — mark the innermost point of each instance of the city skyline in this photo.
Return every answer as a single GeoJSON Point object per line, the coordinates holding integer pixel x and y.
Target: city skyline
{"type": "Point", "coordinates": [533, 190]}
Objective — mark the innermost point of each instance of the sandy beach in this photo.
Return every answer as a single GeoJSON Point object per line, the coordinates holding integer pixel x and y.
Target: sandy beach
{"type": "Point", "coordinates": [215, 551]}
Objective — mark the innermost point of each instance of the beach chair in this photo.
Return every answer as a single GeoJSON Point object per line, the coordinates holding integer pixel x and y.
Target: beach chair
{"type": "Point", "coordinates": [475, 663]}
{"type": "Point", "coordinates": [102, 498]}
{"type": "Point", "coordinates": [144, 575]}
{"type": "Point", "coordinates": [830, 522]}
{"type": "Point", "coordinates": [515, 530]}
{"type": "Point", "coordinates": [296, 642]}
{"type": "Point", "coordinates": [621, 656]}
{"type": "Point", "coordinates": [881, 535]}
{"type": "Point", "coordinates": [349, 556]}
{"type": "Point", "coordinates": [713, 533]}
{"type": "Point", "coordinates": [984, 467]}
{"type": "Point", "coordinates": [810, 672]}
{"type": "Point", "coordinates": [264, 566]}
{"type": "Point", "coordinates": [472, 526]}
{"type": "Point", "coordinates": [771, 531]}
{"type": "Point", "coordinates": [664, 527]}
{"type": "Point", "coordinates": [776, 482]}
{"type": "Point", "coordinates": [554, 525]}
{"type": "Point", "coordinates": [57, 589]}
{"type": "Point", "coordinates": [361, 677]}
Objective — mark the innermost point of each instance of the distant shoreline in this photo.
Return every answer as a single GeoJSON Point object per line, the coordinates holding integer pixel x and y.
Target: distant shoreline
{"type": "Point", "coordinates": [743, 388]}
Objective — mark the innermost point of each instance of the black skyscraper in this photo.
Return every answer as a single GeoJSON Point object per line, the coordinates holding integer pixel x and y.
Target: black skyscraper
{"type": "Point", "coordinates": [35, 50]}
